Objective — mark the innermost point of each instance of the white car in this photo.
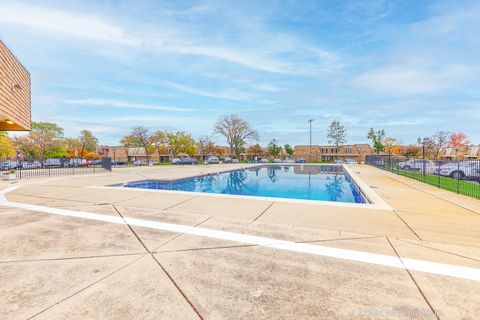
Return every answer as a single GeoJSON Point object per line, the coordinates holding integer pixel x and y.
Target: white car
{"type": "Point", "coordinates": [460, 170]}
{"type": "Point", "coordinates": [290, 160]}
{"type": "Point", "coordinates": [176, 160]}
{"type": "Point", "coordinates": [9, 165]}
{"type": "Point", "coordinates": [212, 159]}
{"type": "Point", "coordinates": [140, 163]}
{"type": "Point", "coordinates": [31, 165]}
{"type": "Point", "coordinates": [263, 160]}
{"type": "Point", "coordinates": [417, 164]}
{"type": "Point", "coordinates": [277, 161]}
{"type": "Point", "coordinates": [351, 161]}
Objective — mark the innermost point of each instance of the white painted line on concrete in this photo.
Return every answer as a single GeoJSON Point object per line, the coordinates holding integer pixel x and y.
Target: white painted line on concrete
{"type": "Point", "coordinates": [344, 254]}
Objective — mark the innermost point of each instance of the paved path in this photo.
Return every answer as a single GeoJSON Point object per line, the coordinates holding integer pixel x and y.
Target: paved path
{"type": "Point", "coordinates": [54, 266]}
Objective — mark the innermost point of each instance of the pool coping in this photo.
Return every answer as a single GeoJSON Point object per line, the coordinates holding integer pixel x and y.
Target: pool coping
{"type": "Point", "coordinates": [375, 201]}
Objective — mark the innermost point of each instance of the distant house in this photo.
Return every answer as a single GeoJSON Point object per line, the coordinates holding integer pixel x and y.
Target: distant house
{"type": "Point", "coordinates": [473, 153]}
{"type": "Point", "coordinates": [355, 152]}
{"type": "Point", "coordinates": [124, 154]}
{"type": "Point", "coordinates": [461, 153]}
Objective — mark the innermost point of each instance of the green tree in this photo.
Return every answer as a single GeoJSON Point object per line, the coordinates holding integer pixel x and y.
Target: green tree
{"type": "Point", "coordinates": [7, 148]}
{"type": "Point", "coordinates": [139, 137]}
{"type": "Point", "coordinates": [337, 134]}
{"type": "Point", "coordinates": [26, 147]}
{"type": "Point", "coordinates": [88, 142]}
{"type": "Point", "coordinates": [273, 148]}
{"type": "Point", "coordinates": [236, 130]}
{"type": "Point", "coordinates": [288, 150]}
{"type": "Point", "coordinates": [160, 141]}
{"type": "Point", "coordinates": [47, 139]}
{"type": "Point", "coordinates": [181, 142]}
{"type": "Point", "coordinates": [377, 139]}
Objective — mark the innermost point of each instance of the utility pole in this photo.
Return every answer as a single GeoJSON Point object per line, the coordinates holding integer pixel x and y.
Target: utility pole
{"type": "Point", "coordinates": [310, 157]}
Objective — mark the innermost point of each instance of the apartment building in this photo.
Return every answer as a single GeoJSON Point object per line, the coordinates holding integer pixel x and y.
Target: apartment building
{"type": "Point", "coordinates": [15, 97]}
{"type": "Point", "coordinates": [124, 154]}
{"type": "Point", "coordinates": [461, 153]}
{"type": "Point", "coordinates": [355, 152]}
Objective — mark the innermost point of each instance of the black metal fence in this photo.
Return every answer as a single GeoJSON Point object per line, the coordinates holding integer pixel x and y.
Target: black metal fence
{"type": "Point", "coordinates": [460, 176]}
{"type": "Point", "coordinates": [13, 169]}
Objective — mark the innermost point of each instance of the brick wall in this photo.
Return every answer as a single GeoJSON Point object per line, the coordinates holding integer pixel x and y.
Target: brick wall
{"type": "Point", "coordinates": [14, 92]}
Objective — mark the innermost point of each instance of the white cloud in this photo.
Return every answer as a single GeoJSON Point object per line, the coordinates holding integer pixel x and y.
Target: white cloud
{"type": "Point", "coordinates": [126, 105]}
{"type": "Point", "coordinates": [412, 79]}
{"type": "Point", "coordinates": [229, 95]}
{"type": "Point", "coordinates": [152, 118]}
{"type": "Point", "coordinates": [64, 22]}
{"type": "Point", "coordinates": [165, 37]}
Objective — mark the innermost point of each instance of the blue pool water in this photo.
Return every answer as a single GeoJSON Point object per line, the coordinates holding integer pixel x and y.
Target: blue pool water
{"type": "Point", "coordinates": [306, 182]}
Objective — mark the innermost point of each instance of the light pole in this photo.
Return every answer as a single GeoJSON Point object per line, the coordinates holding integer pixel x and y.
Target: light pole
{"type": "Point", "coordinates": [310, 149]}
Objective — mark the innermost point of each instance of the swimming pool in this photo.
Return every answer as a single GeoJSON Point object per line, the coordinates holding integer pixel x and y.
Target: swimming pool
{"type": "Point", "coordinates": [305, 182]}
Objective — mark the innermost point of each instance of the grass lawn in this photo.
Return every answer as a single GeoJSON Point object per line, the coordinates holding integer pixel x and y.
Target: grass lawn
{"type": "Point", "coordinates": [465, 187]}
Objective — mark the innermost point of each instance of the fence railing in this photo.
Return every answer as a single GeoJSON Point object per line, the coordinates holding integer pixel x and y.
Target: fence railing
{"type": "Point", "coordinates": [460, 176]}
{"type": "Point", "coordinates": [13, 169]}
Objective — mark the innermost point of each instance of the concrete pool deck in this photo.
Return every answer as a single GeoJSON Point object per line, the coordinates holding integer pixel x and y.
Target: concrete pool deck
{"type": "Point", "coordinates": [57, 266]}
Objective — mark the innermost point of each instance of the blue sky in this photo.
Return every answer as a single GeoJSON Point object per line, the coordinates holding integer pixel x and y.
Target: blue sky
{"type": "Point", "coordinates": [410, 67]}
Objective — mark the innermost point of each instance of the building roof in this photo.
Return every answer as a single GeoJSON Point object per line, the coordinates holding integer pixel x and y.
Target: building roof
{"type": "Point", "coordinates": [136, 152]}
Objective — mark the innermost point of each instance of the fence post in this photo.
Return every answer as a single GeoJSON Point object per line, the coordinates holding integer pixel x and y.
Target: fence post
{"type": "Point", "coordinates": [458, 179]}
{"type": "Point", "coordinates": [438, 172]}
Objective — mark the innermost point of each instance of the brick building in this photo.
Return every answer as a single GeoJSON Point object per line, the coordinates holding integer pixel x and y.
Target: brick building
{"type": "Point", "coordinates": [15, 101]}
{"type": "Point", "coordinates": [355, 152]}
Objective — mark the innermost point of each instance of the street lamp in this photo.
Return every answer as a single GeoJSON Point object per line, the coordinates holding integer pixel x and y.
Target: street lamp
{"type": "Point", "coordinates": [310, 149]}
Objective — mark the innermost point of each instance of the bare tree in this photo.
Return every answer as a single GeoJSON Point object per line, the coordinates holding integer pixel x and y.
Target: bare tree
{"type": "Point", "coordinates": [236, 131]}
{"type": "Point", "coordinates": [440, 140]}
{"type": "Point", "coordinates": [337, 134]}
{"type": "Point", "coordinates": [205, 146]}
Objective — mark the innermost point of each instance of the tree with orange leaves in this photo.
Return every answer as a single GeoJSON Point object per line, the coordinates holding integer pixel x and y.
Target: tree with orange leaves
{"type": "Point", "coordinates": [458, 140]}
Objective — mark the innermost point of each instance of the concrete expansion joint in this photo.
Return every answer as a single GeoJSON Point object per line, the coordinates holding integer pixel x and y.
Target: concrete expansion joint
{"type": "Point", "coordinates": [263, 212]}
{"type": "Point", "coordinates": [86, 287]}
{"type": "Point", "coordinates": [407, 225]}
{"type": "Point", "coordinates": [413, 279]}
{"type": "Point", "coordinates": [159, 264]}
{"type": "Point", "coordinates": [177, 204]}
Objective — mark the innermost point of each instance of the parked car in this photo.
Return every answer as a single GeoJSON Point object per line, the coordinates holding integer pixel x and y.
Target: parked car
{"type": "Point", "coordinates": [188, 161]}
{"type": "Point", "coordinates": [227, 160]}
{"type": "Point", "coordinates": [140, 163]}
{"type": "Point", "coordinates": [338, 161]}
{"type": "Point", "coordinates": [417, 164]}
{"type": "Point", "coordinates": [53, 163]}
{"type": "Point", "coordinates": [74, 163]}
{"type": "Point", "coordinates": [87, 164]}
{"type": "Point", "coordinates": [212, 160]}
{"type": "Point", "coordinates": [118, 163]}
{"type": "Point", "coordinates": [351, 161]}
{"type": "Point", "coordinates": [300, 160]}
{"type": "Point", "coordinates": [460, 170]}
{"type": "Point", "coordinates": [235, 161]}
{"type": "Point", "coordinates": [277, 161]}
{"type": "Point", "coordinates": [378, 163]}
{"type": "Point", "coordinates": [289, 160]}
{"type": "Point", "coordinates": [176, 161]}
{"type": "Point", "coordinates": [263, 160]}
{"type": "Point", "coordinates": [9, 165]}
{"type": "Point", "coordinates": [31, 165]}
